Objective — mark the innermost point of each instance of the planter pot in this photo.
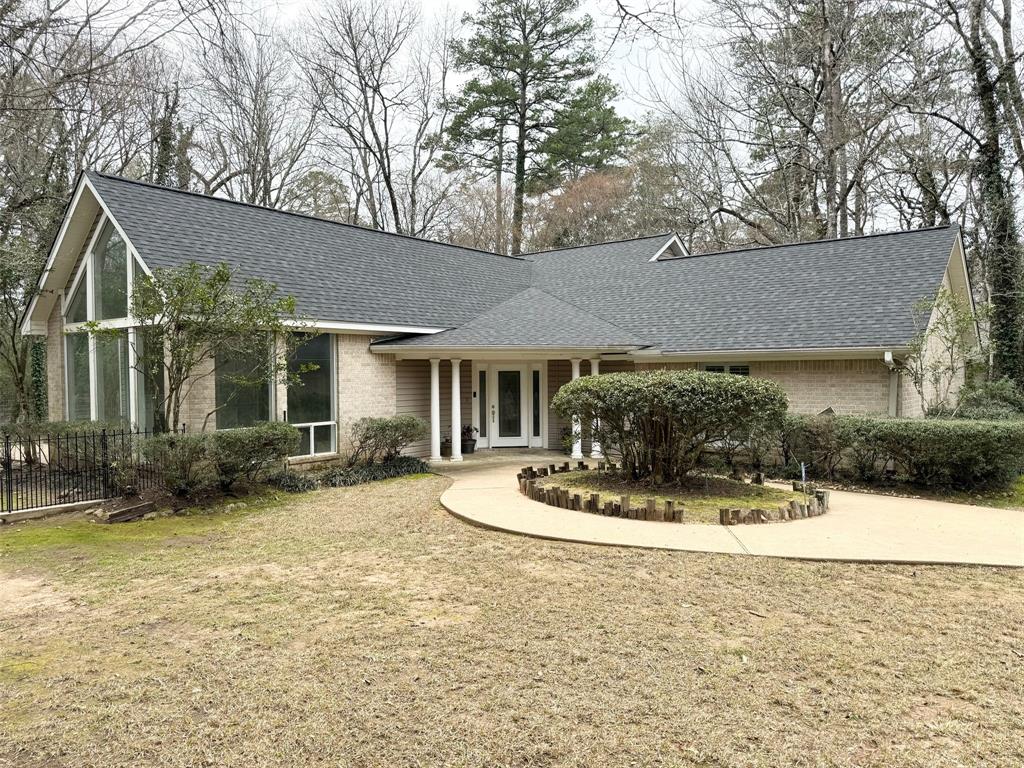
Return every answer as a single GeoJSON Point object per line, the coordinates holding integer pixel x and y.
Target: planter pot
{"type": "Point", "coordinates": [469, 446]}
{"type": "Point", "coordinates": [446, 448]}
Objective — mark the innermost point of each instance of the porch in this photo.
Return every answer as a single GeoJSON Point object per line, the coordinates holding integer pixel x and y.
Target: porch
{"type": "Point", "coordinates": [504, 401]}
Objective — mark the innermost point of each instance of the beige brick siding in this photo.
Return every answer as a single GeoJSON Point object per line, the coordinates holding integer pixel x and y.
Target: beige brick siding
{"type": "Point", "coordinates": [55, 365]}
{"type": "Point", "coordinates": [847, 386]}
{"type": "Point", "coordinates": [366, 384]}
{"type": "Point", "coordinates": [910, 401]}
{"type": "Point", "coordinates": [200, 400]}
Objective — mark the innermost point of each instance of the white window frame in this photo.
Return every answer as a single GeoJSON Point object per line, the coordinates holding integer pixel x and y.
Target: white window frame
{"type": "Point", "coordinates": [334, 407]}
{"type": "Point", "coordinates": [86, 271]}
{"type": "Point", "coordinates": [726, 367]}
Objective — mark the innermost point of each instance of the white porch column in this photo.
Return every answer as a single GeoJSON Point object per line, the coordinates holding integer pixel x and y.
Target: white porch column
{"type": "Point", "coordinates": [456, 412]}
{"type": "Point", "coordinates": [595, 446]}
{"type": "Point", "coordinates": [435, 409]}
{"type": "Point", "coordinates": [577, 432]}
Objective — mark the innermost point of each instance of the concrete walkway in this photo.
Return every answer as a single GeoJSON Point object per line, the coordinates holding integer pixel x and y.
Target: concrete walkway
{"type": "Point", "coordinates": [858, 527]}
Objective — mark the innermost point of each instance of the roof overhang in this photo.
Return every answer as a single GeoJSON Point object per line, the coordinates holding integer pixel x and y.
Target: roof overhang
{"type": "Point", "coordinates": [360, 328]}
{"type": "Point", "coordinates": [509, 352]}
{"type": "Point", "coordinates": [744, 355]}
{"type": "Point", "coordinates": [79, 215]}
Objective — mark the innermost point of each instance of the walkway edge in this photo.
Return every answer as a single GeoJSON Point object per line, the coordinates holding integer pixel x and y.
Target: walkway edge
{"type": "Point", "coordinates": [484, 496]}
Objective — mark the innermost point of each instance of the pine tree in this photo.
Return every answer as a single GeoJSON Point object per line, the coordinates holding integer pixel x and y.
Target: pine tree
{"type": "Point", "coordinates": [532, 63]}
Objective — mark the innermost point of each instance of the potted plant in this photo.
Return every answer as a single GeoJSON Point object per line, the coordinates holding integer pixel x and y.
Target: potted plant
{"type": "Point", "coordinates": [446, 446]}
{"type": "Point", "coordinates": [468, 441]}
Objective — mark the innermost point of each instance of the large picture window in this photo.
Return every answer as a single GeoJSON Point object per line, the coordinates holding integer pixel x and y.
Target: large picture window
{"type": "Point", "coordinates": [76, 347]}
{"type": "Point", "coordinates": [311, 400]}
{"type": "Point", "coordinates": [242, 391]}
{"type": "Point", "coordinates": [112, 371]}
{"type": "Point", "coordinates": [110, 275]}
{"type": "Point", "coordinates": [151, 387]}
{"type": "Point", "coordinates": [100, 370]}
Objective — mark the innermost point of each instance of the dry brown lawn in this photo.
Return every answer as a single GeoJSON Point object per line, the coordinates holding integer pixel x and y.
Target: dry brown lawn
{"type": "Point", "coordinates": [366, 627]}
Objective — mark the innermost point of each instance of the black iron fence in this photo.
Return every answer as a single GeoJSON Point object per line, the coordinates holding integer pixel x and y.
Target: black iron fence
{"type": "Point", "coordinates": [42, 470]}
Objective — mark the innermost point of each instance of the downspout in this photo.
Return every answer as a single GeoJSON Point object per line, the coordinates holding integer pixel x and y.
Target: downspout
{"type": "Point", "coordinates": [894, 383]}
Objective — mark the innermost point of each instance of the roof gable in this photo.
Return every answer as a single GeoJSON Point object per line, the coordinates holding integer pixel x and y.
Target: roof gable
{"type": "Point", "coordinates": [335, 271]}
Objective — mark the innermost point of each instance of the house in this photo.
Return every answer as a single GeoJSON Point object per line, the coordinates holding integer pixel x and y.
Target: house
{"type": "Point", "coordinates": [460, 336]}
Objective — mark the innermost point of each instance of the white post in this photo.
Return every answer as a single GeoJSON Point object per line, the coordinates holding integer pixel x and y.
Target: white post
{"type": "Point", "coordinates": [577, 430]}
{"type": "Point", "coordinates": [435, 409]}
{"type": "Point", "coordinates": [456, 412]}
{"type": "Point", "coordinates": [595, 446]}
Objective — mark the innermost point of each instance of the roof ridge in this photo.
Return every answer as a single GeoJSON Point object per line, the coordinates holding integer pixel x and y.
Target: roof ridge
{"type": "Point", "coordinates": [308, 216]}
{"type": "Point", "coordinates": [890, 233]}
{"type": "Point", "coordinates": [590, 313]}
{"type": "Point", "coordinates": [606, 242]}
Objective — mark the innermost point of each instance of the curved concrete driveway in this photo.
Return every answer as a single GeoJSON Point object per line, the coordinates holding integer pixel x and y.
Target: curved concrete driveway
{"type": "Point", "coordinates": [859, 526]}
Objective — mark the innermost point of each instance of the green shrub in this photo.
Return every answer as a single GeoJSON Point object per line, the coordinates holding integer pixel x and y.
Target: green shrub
{"type": "Point", "coordinates": [376, 440]}
{"type": "Point", "coordinates": [293, 482]}
{"type": "Point", "coordinates": [661, 422]}
{"type": "Point", "coordinates": [955, 453]}
{"type": "Point", "coordinates": [992, 400]}
{"type": "Point", "coordinates": [248, 452]}
{"type": "Point", "coordinates": [182, 460]}
{"type": "Point", "coordinates": [343, 477]}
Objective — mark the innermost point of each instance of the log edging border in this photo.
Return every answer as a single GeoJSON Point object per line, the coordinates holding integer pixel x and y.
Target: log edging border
{"type": "Point", "coordinates": [592, 503]}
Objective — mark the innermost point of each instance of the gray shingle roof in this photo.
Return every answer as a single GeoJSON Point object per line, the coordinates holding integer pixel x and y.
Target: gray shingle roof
{"type": "Point", "coordinates": [336, 272]}
{"type": "Point", "coordinates": [853, 292]}
{"type": "Point", "coordinates": [532, 318]}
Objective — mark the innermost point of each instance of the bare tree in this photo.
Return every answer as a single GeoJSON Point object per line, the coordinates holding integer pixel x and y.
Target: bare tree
{"type": "Point", "coordinates": [379, 76]}
{"type": "Point", "coordinates": [256, 127]}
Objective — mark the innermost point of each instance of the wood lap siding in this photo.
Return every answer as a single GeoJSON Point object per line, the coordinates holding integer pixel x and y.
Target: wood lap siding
{"type": "Point", "coordinates": [412, 396]}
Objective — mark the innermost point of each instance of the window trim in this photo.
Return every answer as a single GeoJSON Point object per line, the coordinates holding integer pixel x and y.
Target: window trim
{"type": "Point", "coordinates": [726, 367]}
{"type": "Point", "coordinates": [333, 421]}
{"type": "Point", "coordinates": [86, 270]}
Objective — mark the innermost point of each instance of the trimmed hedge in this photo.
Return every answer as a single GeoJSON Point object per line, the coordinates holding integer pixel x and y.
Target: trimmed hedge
{"type": "Point", "coordinates": [956, 453]}
{"type": "Point", "coordinates": [381, 439]}
{"type": "Point", "coordinates": [197, 461]}
{"type": "Point", "coordinates": [247, 453]}
{"type": "Point", "coordinates": [661, 423]}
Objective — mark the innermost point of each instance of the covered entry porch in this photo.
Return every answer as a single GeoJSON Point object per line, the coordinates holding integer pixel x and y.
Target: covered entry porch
{"type": "Point", "coordinates": [503, 397]}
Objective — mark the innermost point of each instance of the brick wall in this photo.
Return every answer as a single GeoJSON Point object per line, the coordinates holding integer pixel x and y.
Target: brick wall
{"type": "Point", "coordinates": [366, 382]}
{"type": "Point", "coordinates": [55, 364]}
{"type": "Point", "coordinates": [847, 386]}
{"type": "Point", "coordinates": [200, 400]}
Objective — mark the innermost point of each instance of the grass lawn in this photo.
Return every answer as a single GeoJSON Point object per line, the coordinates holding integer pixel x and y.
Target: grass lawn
{"type": "Point", "coordinates": [701, 497]}
{"type": "Point", "coordinates": [366, 627]}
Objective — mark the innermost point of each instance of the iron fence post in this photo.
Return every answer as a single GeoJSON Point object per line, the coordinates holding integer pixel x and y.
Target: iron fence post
{"type": "Point", "coordinates": [8, 474]}
{"type": "Point", "coordinates": [104, 464]}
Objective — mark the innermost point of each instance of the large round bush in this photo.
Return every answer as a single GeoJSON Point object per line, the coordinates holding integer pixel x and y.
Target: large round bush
{"type": "Point", "coordinates": [660, 422]}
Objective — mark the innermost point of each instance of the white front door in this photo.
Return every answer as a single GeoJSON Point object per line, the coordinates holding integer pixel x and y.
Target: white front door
{"type": "Point", "coordinates": [508, 410]}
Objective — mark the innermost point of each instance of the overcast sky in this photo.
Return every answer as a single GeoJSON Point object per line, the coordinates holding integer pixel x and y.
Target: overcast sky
{"type": "Point", "coordinates": [628, 63]}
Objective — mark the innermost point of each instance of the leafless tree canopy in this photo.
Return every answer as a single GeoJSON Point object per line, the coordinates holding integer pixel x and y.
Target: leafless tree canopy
{"type": "Point", "coordinates": [753, 122]}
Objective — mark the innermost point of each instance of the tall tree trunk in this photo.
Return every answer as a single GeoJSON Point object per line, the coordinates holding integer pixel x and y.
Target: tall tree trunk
{"type": "Point", "coordinates": [499, 193]}
{"type": "Point", "coordinates": [1004, 259]}
{"type": "Point", "coordinates": [520, 173]}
